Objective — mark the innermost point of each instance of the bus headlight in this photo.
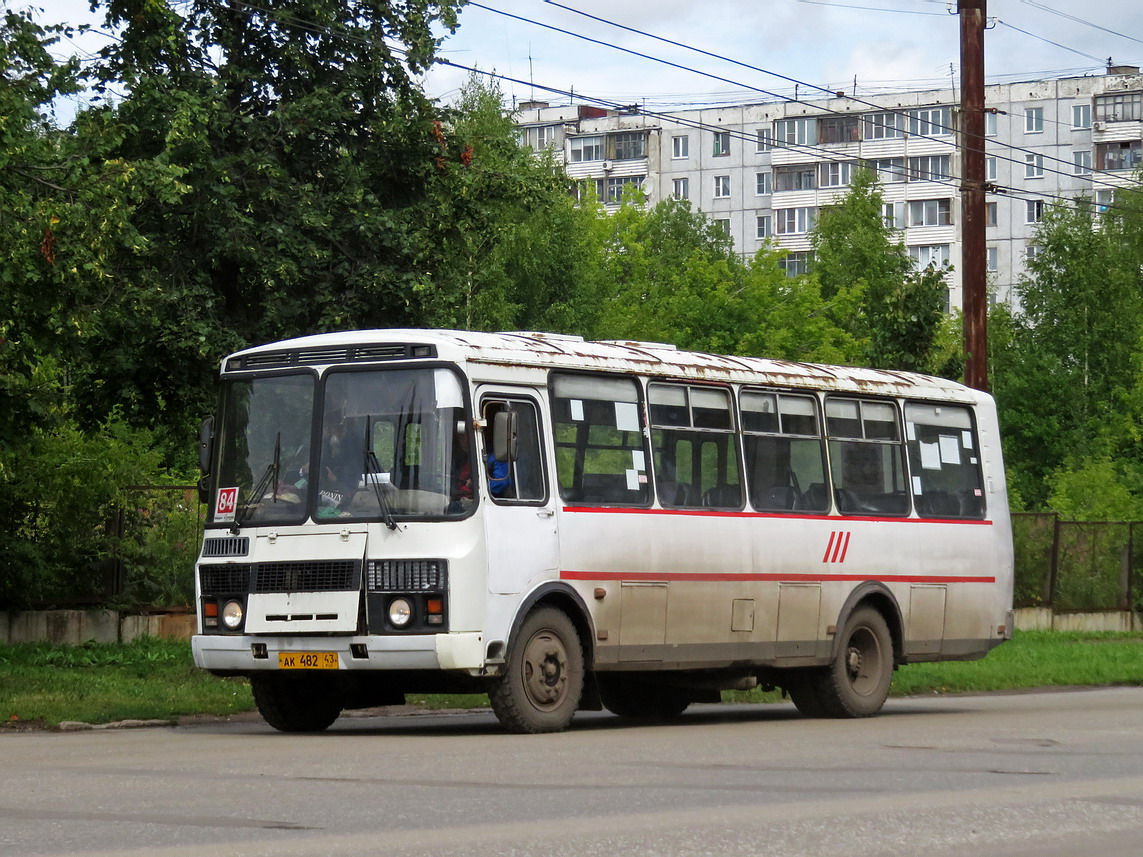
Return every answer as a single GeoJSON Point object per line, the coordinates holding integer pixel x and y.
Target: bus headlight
{"type": "Point", "coordinates": [232, 615]}
{"type": "Point", "coordinates": [400, 612]}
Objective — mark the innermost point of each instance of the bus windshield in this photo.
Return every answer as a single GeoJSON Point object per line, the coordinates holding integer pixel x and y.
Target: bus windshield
{"type": "Point", "coordinates": [264, 449]}
{"type": "Point", "coordinates": [394, 443]}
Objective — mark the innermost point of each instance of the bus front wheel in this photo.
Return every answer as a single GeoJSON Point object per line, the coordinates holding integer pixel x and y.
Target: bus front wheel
{"type": "Point", "coordinates": [296, 703]}
{"type": "Point", "coordinates": [856, 683]}
{"type": "Point", "coordinates": [542, 682]}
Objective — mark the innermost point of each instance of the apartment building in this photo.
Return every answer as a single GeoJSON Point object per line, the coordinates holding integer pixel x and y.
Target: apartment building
{"type": "Point", "coordinates": [763, 171]}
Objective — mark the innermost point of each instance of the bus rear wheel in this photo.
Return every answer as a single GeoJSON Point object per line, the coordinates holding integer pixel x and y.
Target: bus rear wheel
{"type": "Point", "coordinates": [641, 699]}
{"type": "Point", "coordinates": [296, 703]}
{"type": "Point", "coordinates": [542, 682]}
{"type": "Point", "coordinates": [856, 683]}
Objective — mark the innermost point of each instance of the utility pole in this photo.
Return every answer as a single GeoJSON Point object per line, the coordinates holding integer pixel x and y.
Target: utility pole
{"type": "Point", "coordinates": [972, 262]}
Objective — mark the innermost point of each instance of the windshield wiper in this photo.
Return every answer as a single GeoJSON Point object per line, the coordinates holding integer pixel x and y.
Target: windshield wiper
{"type": "Point", "coordinates": [372, 468]}
{"type": "Point", "coordinates": [272, 470]}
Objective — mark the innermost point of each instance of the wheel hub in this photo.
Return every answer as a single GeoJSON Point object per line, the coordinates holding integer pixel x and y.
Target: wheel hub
{"type": "Point", "coordinates": [545, 671]}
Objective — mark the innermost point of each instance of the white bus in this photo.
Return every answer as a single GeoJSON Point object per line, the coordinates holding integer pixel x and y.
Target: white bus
{"type": "Point", "coordinates": [574, 525]}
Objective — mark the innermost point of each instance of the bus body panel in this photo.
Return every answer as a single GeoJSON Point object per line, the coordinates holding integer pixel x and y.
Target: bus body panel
{"type": "Point", "coordinates": [658, 588]}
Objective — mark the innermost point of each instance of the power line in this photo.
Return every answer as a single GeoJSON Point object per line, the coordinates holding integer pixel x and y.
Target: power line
{"type": "Point", "coordinates": [666, 118]}
{"type": "Point", "coordinates": [873, 105]}
{"type": "Point", "coordinates": [1083, 21]}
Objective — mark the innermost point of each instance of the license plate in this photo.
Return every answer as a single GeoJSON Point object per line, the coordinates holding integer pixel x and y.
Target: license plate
{"type": "Point", "coordinates": [307, 660]}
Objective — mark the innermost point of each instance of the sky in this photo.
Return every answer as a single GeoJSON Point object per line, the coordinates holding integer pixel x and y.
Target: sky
{"type": "Point", "coordinates": [862, 46]}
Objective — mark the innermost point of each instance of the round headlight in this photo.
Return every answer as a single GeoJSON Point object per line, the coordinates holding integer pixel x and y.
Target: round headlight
{"type": "Point", "coordinates": [400, 612]}
{"type": "Point", "coordinates": [232, 615]}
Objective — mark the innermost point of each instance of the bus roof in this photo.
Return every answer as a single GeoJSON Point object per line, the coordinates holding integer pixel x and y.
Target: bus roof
{"type": "Point", "coordinates": [561, 351]}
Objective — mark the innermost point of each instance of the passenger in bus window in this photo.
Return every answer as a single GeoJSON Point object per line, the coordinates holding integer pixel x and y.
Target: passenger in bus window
{"type": "Point", "coordinates": [460, 492]}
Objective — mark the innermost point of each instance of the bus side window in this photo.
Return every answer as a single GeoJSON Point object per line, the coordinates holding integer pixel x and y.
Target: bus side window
{"type": "Point", "coordinates": [785, 464]}
{"type": "Point", "coordinates": [520, 480]}
{"type": "Point", "coordinates": [598, 430]}
{"type": "Point", "coordinates": [944, 460]}
{"type": "Point", "coordinates": [867, 457]}
{"type": "Point", "coordinates": [695, 449]}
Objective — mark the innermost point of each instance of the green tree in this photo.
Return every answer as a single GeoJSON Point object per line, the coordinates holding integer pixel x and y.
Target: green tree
{"type": "Point", "coordinates": [509, 248]}
{"type": "Point", "coordinates": [673, 276]}
{"type": "Point", "coordinates": [303, 147]}
{"type": "Point", "coordinates": [1066, 366]}
{"type": "Point", "coordinates": [901, 309]}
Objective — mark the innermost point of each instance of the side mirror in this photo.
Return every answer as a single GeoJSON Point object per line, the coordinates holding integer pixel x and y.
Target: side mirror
{"type": "Point", "coordinates": [205, 445]}
{"type": "Point", "coordinates": [504, 428]}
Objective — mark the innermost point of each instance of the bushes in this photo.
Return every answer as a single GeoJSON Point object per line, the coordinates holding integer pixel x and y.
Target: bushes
{"type": "Point", "coordinates": [60, 489]}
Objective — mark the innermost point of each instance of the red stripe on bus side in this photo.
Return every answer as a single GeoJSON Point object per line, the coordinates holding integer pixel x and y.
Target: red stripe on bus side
{"type": "Point", "coordinates": [697, 513]}
{"type": "Point", "coordinates": [829, 547]}
{"type": "Point", "coordinates": [845, 549]}
{"type": "Point", "coordinates": [799, 578]}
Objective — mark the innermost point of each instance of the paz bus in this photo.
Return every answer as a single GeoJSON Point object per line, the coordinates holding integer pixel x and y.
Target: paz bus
{"type": "Point", "coordinates": [569, 525]}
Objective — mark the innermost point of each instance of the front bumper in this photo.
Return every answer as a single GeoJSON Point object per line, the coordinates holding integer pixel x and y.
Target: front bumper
{"type": "Point", "coordinates": [236, 654]}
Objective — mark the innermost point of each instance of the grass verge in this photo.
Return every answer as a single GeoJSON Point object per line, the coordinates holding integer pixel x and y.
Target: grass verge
{"type": "Point", "coordinates": [43, 684]}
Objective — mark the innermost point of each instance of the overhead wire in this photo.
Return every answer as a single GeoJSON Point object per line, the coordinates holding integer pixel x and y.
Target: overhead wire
{"type": "Point", "coordinates": [319, 29]}
{"type": "Point", "coordinates": [872, 105]}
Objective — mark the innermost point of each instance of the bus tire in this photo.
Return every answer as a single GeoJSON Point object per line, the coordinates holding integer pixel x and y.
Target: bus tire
{"type": "Point", "coordinates": [296, 703]}
{"type": "Point", "coordinates": [856, 683]}
{"type": "Point", "coordinates": [641, 699]}
{"type": "Point", "coordinates": [543, 677]}
{"type": "Point", "coordinates": [802, 686]}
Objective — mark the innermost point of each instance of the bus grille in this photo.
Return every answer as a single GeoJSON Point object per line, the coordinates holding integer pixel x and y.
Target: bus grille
{"type": "Point", "coordinates": [407, 575]}
{"type": "Point", "coordinates": [224, 579]}
{"type": "Point", "coordinates": [226, 547]}
{"type": "Point", "coordinates": [315, 576]}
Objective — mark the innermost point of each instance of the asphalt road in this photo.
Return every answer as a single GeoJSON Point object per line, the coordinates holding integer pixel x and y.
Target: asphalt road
{"type": "Point", "coordinates": [1045, 774]}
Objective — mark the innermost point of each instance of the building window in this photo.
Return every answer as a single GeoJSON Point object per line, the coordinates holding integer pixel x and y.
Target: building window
{"type": "Point", "coordinates": [893, 213]}
{"type": "Point", "coordinates": [680, 146]}
{"type": "Point", "coordinates": [884, 126]}
{"type": "Point", "coordinates": [586, 149]}
{"type": "Point", "coordinates": [1030, 252]}
{"type": "Point", "coordinates": [930, 255]}
{"type": "Point", "coordinates": [1033, 210]}
{"type": "Point", "coordinates": [763, 184]}
{"type": "Point", "coordinates": [991, 213]}
{"type": "Point", "coordinates": [795, 221]}
{"type": "Point", "coordinates": [888, 169]}
{"type": "Point", "coordinates": [1033, 120]}
{"type": "Point", "coordinates": [721, 187]}
{"type": "Point", "coordinates": [721, 144]}
{"type": "Point", "coordinates": [990, 123]}
{"type": "Point", "coordinates": [929, 168]}
{"type": "Point", "coordinates": [990, 169]}
{"type": "Point", "coordinates": [629, 145]}
{"type": "Point", "coordinates": [765, 140]}
{"type": "Point", "coordinates": [930, 122]}
{"type": "Point", "coordinates": [1081, 163]}
{"type": "Point", "coordinates": [1118, 156]}
{"type": "Point", "coordinates": [798, 177]}
{"type": "Point", "coordinates": [1081, 116]}
{"type": "Point", "coordinates": [612, 189]}
{"type": "Point", "coordinates": [930, 212]}
{"type": "Point", "coordinates": [543, 136]}
{"type": "Point", "coordinates": [835, 173]}
{"type": "Point", "coordinates": [798, 132]}
{"type": "Point", "coordinates": [795, 264]}
{"type": "Point", "coordinates": [1125, 107]}
{"type": "Point", "coordinates": [722, 224]}
{"type": "Point", "coordinates": [681, 189]}
{"type": "Point", "coordinates": [992, 259]}
{"type": "Point", "coordinates": [762, 229]}
{"type": "Point", "coordinates": [1033, 166]}
{"type": "Point", "coordinates": [1104, 200]}
{"type": "Point", "coordinates": [839, 129]}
